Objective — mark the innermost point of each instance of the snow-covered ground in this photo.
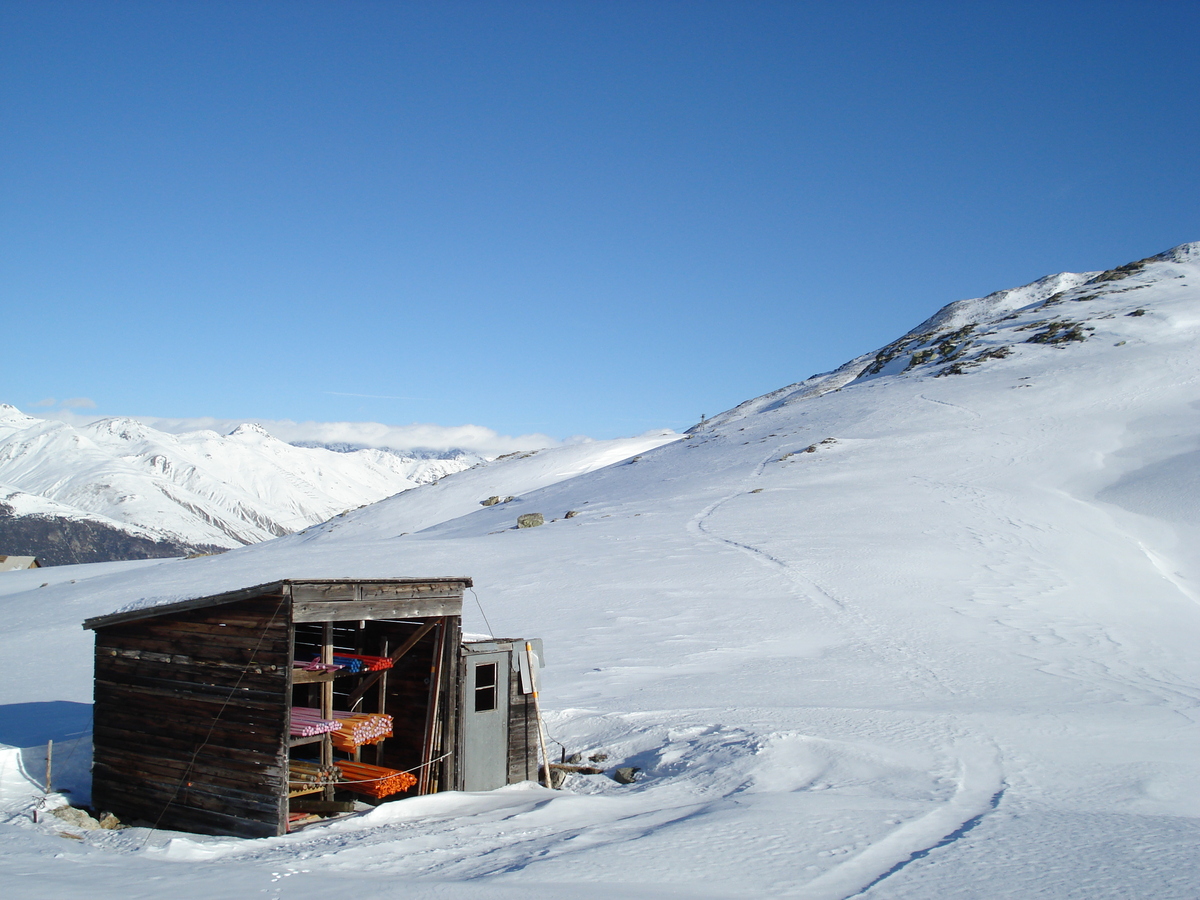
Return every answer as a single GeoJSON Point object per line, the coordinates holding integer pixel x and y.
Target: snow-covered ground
{"type": "Point", "coordinates": [898, 633]}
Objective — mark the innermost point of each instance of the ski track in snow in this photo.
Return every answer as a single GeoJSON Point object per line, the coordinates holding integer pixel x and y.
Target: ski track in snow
{"type": "Point", "coordinates": [969, 412]}
{"type": "Point", "coordinates": [881, 638]}
{"type": "Point", "coordinates": [1100, 657]}
{"type": "Point", "coordinates": [1165, 569]}
{"type": "Point", "coordinates": [699, 525]}
{"type": "Point", "coordinates": [979, 791]}
{"type": "Point", "coordinates": [981, 779]}
{"type": "Point", "coordinates": [1062, 646]}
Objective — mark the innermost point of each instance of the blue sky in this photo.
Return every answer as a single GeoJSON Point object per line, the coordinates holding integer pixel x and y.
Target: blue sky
{"type": "Point", "coordinates": [564, 218]}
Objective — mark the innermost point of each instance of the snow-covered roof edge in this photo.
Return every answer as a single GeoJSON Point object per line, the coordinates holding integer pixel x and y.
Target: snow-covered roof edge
{"type": "Point", "coordinates": [161, 606]}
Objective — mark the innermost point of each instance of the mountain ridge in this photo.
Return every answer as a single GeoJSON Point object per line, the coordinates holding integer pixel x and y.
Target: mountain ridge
{"type": "Point", "coordinates": [197, 490]}
{"type": "Point", "coordinates": [951, 318]}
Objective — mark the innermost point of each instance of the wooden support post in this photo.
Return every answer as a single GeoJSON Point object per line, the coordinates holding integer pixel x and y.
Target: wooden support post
{"type": "Point", "coordinates": [445, 705]}
{"type": "Point", "coordinates": [381, 702]}
{"type": "Point", "coordinates": [429, 749]}
{"type": "Point", "coordinates": [49, 764]}
{"type": "Point", "coordinates": [537, 710]}
{"type": "Point", "coordinates": [327, 700]}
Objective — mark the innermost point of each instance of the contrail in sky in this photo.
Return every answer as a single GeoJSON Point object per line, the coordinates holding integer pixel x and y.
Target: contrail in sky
{"type": "Point", "coordinates": [371, 396]}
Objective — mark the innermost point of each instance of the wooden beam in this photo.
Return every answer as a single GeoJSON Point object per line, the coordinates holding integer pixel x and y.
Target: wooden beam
{"type": "Point", "coordinates": [301, 741]}
{"type": "Point", "coordinates": [301, 676]}
{"type": "Point", "coordinates": [369, 681]}
{"type": "Point", "coordinates": [374, 590]}
{"type": "Point", "coordinates": [462, 580]}
{"type": "Point", "coordinates": [322, 806]}
{"type": "Point", "coordinates": [362, 610]}
{"type": "Point", "coordinates": [581, 770]}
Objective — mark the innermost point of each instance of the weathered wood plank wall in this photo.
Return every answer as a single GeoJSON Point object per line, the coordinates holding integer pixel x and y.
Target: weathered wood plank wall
{"type": "Point", "coordinates": [191, 718]}
{"type": "Point", "coordinates": [522, 732]}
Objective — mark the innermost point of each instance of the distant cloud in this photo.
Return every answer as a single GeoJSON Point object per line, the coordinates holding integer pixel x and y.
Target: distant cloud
{"type": "Point", "coordinates": [471, 438]}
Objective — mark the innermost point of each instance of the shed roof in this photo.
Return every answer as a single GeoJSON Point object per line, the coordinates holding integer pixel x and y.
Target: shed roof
{"type": "Point", "coordinates": [270, 587]}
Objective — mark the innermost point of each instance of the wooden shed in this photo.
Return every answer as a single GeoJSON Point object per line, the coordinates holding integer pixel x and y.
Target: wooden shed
{"type": "Point", "coordinates": [247, 712]}
{"type": "Point", "coordinates": [14, 563]}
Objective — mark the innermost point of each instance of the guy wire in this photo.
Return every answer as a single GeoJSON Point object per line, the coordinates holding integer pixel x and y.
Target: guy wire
{"type": "Point", "coordinates": [482, 613]}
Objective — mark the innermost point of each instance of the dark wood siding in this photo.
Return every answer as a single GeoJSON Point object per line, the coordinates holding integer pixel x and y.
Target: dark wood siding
{"type": "Point", "coordinates": [522, 733]}
{"type": "Point", "coordinates": [191, 715]}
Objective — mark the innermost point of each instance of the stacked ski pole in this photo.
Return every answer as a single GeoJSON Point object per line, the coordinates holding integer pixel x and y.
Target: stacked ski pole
{"type": "Point", "coordinates": [357, 729]}
{"type": "Point", "coordinates": [374, 781]}
{"type": "Point", "coordinates": [303, 775]}
{"type": "Point", "coordinates": [307, 722]}
{"type": "Point", "coordinates": [367, 663]}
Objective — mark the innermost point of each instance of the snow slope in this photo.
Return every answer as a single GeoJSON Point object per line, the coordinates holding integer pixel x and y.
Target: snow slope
{"type": "Point", "coordinates": [929, 633]}
{"type": "Point", "coordinates": [199, 488]}
{"type": "Point", "coordinates": [508, 478]}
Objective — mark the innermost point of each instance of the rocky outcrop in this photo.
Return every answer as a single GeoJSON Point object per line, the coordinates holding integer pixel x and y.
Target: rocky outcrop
{"type": "Point", "coordinates": [60, 542]}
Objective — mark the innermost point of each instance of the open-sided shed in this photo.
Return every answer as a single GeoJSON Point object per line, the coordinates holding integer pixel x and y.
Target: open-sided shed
{"type": "Point", "coordinates": [203, 717]}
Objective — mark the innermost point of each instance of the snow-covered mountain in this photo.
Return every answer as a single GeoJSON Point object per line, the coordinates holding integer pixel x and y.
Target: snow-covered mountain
{"type": "Point", "coordinates": [924, 627]}
{"type": "Point", "coordinates": [198, 489]}
{"type": "Point", "coordinates": [968, 333]}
